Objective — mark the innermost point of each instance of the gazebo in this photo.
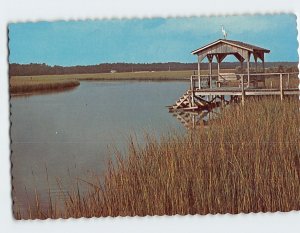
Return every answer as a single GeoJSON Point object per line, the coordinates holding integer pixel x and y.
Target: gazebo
{"type": "Point", "coordinates": [204, 100]}
{"type": "Point", "coordinates": [222, 48]}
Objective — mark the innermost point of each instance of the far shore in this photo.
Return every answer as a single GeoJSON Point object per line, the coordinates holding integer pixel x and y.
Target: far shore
{"type": "Point", "coordinates": [20, 85]}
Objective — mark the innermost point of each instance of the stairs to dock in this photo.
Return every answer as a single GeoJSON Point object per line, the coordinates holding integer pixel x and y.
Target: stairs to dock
{"type": "Point", "coordinates": [183, 102]}
{"type": "Point", "coordinates": [190, 101]}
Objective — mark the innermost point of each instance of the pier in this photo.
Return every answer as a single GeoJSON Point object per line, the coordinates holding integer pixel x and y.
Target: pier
{"type": "Point", "coordinates": [208, 91]}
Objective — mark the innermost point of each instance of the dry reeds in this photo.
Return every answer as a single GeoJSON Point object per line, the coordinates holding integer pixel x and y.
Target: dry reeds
{"type": "Point", "coordinates": [248, 160]}
{"type": "Point", "coordinates": [25, 87]}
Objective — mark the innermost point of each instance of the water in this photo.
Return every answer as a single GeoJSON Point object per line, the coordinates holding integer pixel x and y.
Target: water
{"type": "Point", "coordinates": [72, 134]}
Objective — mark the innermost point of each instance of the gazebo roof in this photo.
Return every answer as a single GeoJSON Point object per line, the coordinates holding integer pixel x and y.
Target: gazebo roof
{"type": "Point", "coordinates": [233, 43]}
{"type": "Point", "coordinates": [222, 47]}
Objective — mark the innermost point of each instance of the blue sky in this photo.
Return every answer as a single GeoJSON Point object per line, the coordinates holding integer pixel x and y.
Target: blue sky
{"type": "Point", "coordinates": [146, 40]}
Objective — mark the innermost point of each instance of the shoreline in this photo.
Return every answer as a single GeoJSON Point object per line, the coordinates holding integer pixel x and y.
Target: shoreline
{"type": "Point", "coordinates": [22, 85]}
{"type": "Point", "coordinates": [45, 83]}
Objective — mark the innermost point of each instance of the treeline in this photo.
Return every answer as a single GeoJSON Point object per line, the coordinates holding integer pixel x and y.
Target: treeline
{"type": "Point", "coordinates": [44, 69]}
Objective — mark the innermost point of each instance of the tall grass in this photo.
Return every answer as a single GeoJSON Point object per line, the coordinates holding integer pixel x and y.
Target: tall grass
{"type": "Point", "coordinates": [142, 75]}
{"type": "Point", "coordinates": [29, 86]}
{"type": "Point", "coordinates": [248, 160]}
{"type": "Point", "coordinates": [274, 82]}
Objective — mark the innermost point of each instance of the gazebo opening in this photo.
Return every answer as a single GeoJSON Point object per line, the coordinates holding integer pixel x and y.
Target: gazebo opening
{"type": "Point", "coordinates": [220, 49]}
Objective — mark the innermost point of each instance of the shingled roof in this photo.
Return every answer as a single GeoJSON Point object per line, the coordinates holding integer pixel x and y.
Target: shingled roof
{"type": "Point", "coordinates": [234, 43]}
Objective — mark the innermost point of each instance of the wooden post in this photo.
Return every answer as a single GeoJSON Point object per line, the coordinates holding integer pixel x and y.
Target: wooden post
{"type": "Point", "coordinates": [288, 80]}
{"type": "Point", "coordinates": [281, 87]}
{"type": "Point", "coordinates": [192, 92]}
{"type": "Point", "coordinates": [248, 68]}
{"type": "Point", "coordinates": [243, 90]}
{"type": "Point", "coordinates": [210, 58]}
{"type": "Point", "coordinates": [218, 71]}
{"type": "Point", "coordinates": [210, 73]}
{"type": "Point", "coordinates": [199, 73]}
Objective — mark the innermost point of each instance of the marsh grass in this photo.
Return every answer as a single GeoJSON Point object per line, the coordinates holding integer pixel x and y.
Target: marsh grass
{"type": "Point", "coordinates": [28, 85]}
{"type": "Point", "coordinates": [248, 160]}
{"type": "Point", "coordinates": [45, 83]}
{"type": "Point", "coordinates": [273, 81]}
{"type": "Point", "coordinates": [142, 75]}
{"type": "Point", "coordinates": [42, 83]}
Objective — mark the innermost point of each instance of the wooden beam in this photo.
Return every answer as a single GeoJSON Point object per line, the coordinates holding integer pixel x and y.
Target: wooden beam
{"type": "Point", "coordinates": [210, 73]}
{"type": "Point", "coordinates": [248, 68]}
{"type": "Point", "coordinates": [218, 70]}
{"type": "Point", "coordinates": [243, 90]}
{"type": "Point", "coordinates": [262, 58]}
{"type": "Point", "coordinates": [239, 57]}
{"type": "Point", "coordinates": [281, 87]}
{"type": "Point", "coordinates": [210, 59]}
{"type": "Point", "coordinates": [255, 55]}
{"type": "Point", "coordinates": [199, 73]}
{"type": "Point", "coordinates": [220, 57]}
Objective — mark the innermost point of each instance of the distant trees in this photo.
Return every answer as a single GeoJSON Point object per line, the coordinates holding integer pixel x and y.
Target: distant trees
{"type": "Point", "coordinates": [44, 69]}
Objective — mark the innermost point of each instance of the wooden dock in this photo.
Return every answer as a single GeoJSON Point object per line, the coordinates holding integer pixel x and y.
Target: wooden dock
{"type": "Point", "coordinates": [200, 97]}
{"type": "Point", "coordinates": [208, 92]}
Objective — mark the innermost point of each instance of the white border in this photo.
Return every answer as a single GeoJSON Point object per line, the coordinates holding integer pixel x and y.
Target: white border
{"type": "Point", "coordinates": [32, 10]}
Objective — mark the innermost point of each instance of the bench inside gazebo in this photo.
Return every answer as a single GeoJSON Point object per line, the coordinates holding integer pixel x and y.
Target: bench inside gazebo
{"type": "Point", "coordinates": [220, 49]}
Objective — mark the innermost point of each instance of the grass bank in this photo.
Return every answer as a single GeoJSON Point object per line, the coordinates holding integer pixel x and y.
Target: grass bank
{"type": "Point", "coordinates": [246, 161]}
{"type": "Point", "coordinates": [28, 86]}
{"type": "Point", "coordinates": [43, 83]}
{"type": "Point", "coordinates": [142, 75]}
{"type": "Point", "coordinates": [24, 84]}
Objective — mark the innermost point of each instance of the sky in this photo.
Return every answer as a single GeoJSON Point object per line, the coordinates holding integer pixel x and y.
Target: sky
{"type": "Point", "coordinates": [90, 42]}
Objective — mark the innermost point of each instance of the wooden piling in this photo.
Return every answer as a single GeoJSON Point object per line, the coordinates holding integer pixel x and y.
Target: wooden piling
{"type": "Point", "coordinates": [210, 75]}
{"type": "Point", "coordinates": [199, 73]}
{"type": "Point", "coordinates": [206, 98]}
{"type": "Point", "coordinates": [243, 90]}
{"type": "Point", "coordinates": [248, 69]}
{"type": "Point", "coordinates": [281, 87]}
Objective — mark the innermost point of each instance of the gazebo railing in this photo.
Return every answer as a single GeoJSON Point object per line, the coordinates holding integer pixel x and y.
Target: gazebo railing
{"type": "Point", "coordinates": [255, 80]}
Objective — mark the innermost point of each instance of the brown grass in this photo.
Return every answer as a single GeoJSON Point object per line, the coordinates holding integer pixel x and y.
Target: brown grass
{"type": "Point", "coordinates": [45, 83]}
{"type": "Point", "coordinates": [274, 82]}
{"type": "Point", "coordinates": [246, 161]}
{"type": "Point", "coordinates": [142, 75]}
{"type": "Point", "coordinates": [27, 86]}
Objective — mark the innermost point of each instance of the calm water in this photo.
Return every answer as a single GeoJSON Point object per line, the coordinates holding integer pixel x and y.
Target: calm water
{"type": "Point", "coordinates": [71, 134]}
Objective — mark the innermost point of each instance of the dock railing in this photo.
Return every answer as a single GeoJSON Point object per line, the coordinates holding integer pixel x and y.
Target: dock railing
{"type": "Point", "coordinates": [276, 81]}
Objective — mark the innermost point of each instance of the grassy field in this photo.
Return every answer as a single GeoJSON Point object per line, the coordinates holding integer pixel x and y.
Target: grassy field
{"type": "Point", "coordinates": [143, 75]}
{"type": "Point", "coordinates": [28, 84]}
{"type": "Point", "coordinates": [246, 161]}
{"type": "Point", "coordinates": [25, 84]}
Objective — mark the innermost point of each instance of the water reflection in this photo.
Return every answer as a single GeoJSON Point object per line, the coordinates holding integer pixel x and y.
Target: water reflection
{"type": "Point", "coordinates": [196, 119]}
